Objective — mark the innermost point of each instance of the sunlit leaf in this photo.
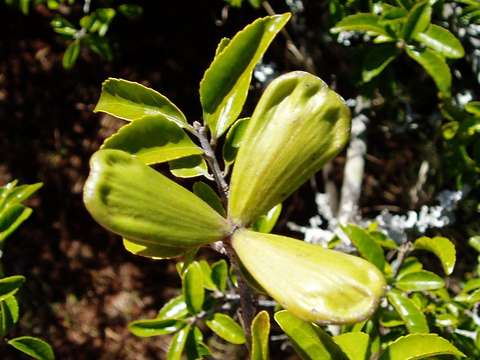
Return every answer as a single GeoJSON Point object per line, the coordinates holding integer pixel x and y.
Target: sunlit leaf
{"type": "Point", "coordinates": [175, 308]}
{"type": "Point", "coordinates": [266, 223]}
{"type": "Point", "coordinates": [366, 245]}
{"type": "Point", "coordinates": [226, 328]}
{"type": "Point", "coordinates": [155, 327]}
{"type": "Point", "coordinates": [260, 336]}
{"type": "Point", "coordinates": [420, 281]}
{"type": "Point", "coordinates": [414, 319]}
{"type": "Point", "coordinates": [442, 41]}
{"type": "Point", "coordinates": [188, 167]}
{"type": "Point", "coordinates": [365, 22]}
{"type": "Point", "coordinates": [442, 248]}
{"type": "Point", "coordinates": [193, 291]}
{"type": "Point", "coordinates": [177, 345]}
{"type": "Point", "coordinates": [10, 285]}
{"type": "Point", "coordinates": [354, 345]}
{"type": "Point", "coordinates": [418, 19]}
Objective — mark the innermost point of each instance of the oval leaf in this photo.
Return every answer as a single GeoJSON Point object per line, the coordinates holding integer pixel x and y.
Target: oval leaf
{"type": "Point", "coordinates": [419, 346]}
{"type": "Point", "coordinates": [267, 222]}
{"type": "Point", "coordinates": [10, 285]}
{"type": "Point", "coordinates": [153, 140]}
{"type": "Point", "coordinates": [320, 285]}
{"type": "Point", "coordinates": [366, 245]}
{"type": "Point", "coordinates": [11, 218]}
{"type": "Point", "coordinates": [354, 345]}
{"type": "Point", "coordinates": [177, 345]}
{"type": "Point", "coordinates": [420, 281]}
{"type": "Point", "coordinates": [155, 327]}
{"type": "Point", "coordinates": [175, 308]}
{"type": "Point", "coordinates": [224, 87]}
{"type": "Point", "coordinates": [8, 314]}
{"type": "Point", "coordinates": [132, 101]}
{"type": "Point", "coordinates": [227, 328]}
{"type": "Point", "coordinates": [442, 41]}
{"type": "Point", "coordinates": [418, 19]}
{"type": "Point", "coordinates": [34, 347]}
{"type": "Point", "coordinates": [219, 274]}
{"type": "Point", "coordinates": [133, 200]}
{"type": "Point", "coordinates": [297, 126]}
{"type": "Point", "coordinates": [365, 22]}
{"type": "Point", "coordinates": [414, 319]}
{"type": "Point", "coordinates": [188, 167]}
{"type": "Point", "coordinates": [193, 291]}
{"type": "Point", "coordinates": [71, 55]}
{"type": "Point", "coordinates": [442, 248]}
{"type": "Point", "coordinates": [260, 336]}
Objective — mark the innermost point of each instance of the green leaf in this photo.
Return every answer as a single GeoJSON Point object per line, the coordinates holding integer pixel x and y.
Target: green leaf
{"type": "Point", "coordinates": [122, 194]}
{"type": "Point", "coordinates": [354, 345]}
{"type": "Point", "coordinates": [366, 245]}
{"type": "Point", "coordinates": [155, 327]}
{"type": "Point", "coordinates": [420, 281]}
{"type": "Point", "coordinates": [297, 126]}
{"type": "Point", "coordinates": [207, 276]}
{"type": "Point", "coordinates": [11, 218]}
{"type": "Point", "coordinates": [71, 55]}
{"type": "Point", "coordinates": [99, 45]}
{"type": "Point", "coordinates": [195, 347]}
{"type": "Point", "coordinates": [260, 335]}
{"type": "Point", "coordinates": [221, 45]}
{"type": "Point", "coordinates": [414, 319]}
{"type": "Point", "coordinates": [19, 194]}
{"type": "Point", "coordinates": [377, 59]}
{"type": "Point", "coordinates": [266, 223]}
{"type": "Point", "coordinates": [8, 314]}
{"type": "Point", "coordinates": [227, 328]}
{"type": "Point", "coordinates": [175, 308]}
{"type": "Point", "coordinates": [193, 291]}
{"type": "Point", "coordinates": [365, 22]}
{"type": "Point", "coordinates": [153, 250]}
{"type": "Point", "coordinates": [419, 346]}
{"type": "Point", "coordinates": [442, 41]}
{"type": "Point", "coordinates": [305, 338]}
{"type": "Point", "coordinates": [418, 19]}
{"type": "Point", "coordinates": [10, 285]}
{"type": "Point", "coordinates": [130, 10]}
{"type": "Point", "coordinates": [188, 167]}
{"type": "Point", "coordinates": [320, 285]}
{"type": "Point", "coordinates": [220, 274]}
{"type": "Point", "coordinates": [411, 264]}
{"type": "Point", "coordinates": [435, 66]}
{"type": "Point", "coordinates": [207, 194]}
{"type": "Point", "coordinates": [131, 101]}
{"type": "Point", "coordinates": [153, 140]}
{"type": "Point", "coordinates": [442, 248]}
{"type": "Point", "coordinates": [224, 87]}
{"type": "Point", "coordinates": [233, 140]}
{"type": "Point", "coordinates": [473, 107]}
{"type": "Point", "coordinates": [177, 345]}
{"type": "Point", "coordinates": [34, 347]}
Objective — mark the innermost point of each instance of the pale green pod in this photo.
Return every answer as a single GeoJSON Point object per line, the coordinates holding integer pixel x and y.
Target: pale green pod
{"type": "Point", "coordinates": [313, 283]}
{"type": "Point", "coordinates": [298, 125]}
{"type": "Point", "coordinates": [133, 200]}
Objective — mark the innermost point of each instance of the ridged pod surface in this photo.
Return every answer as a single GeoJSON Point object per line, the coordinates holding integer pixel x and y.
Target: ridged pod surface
{"type": "Point", "coordinates": [313, 283]}
{"type": "Point", "coordinates": [298, 125]}
{"type": "Point", "coordinates": [133, 200]}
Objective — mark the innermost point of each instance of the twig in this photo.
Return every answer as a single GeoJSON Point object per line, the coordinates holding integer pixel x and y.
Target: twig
{"type": "Point", "coordinates": [403, 251]}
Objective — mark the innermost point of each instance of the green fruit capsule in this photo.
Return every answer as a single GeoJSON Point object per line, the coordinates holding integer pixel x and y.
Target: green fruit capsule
{"type": "Point", "coordinates": [133, 200]}
{"type": "Point", "coordinates": [313, 283]}
{"type": "Point", "coordinates": [298, 125]}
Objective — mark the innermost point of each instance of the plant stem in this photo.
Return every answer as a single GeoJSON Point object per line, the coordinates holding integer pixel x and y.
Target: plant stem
{"type": "Point", "coordinates": [403, 251]}
{"type": "Point", "coordinates": [209, 155]}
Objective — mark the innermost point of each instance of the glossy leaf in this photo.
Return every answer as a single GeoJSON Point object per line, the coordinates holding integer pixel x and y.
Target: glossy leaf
{"type": "Point", "coordinates": [18, 194]}
{"type": "Point", "coordinates": [155, 327]}
{"type": "Point", "coordinates": [419, 346]}
{"type": "Point", "coordinates": [207, 275]}
{"type": "Point", "coordinates": [320, 285]}
{"type": "Point", "coordinates": [153, 140]}
{"type": "Point", "coordinates": [10, 285]}
{"type": "Point", "coordinates": [175, 308]}
{"type": "Point", "coordinates": [34, 347]}
{"type": "Point", "coordinates": [365, 22]}
{"type": "Point", "coordinates": [177, 345]}
{"type": "Point", "coordinates": [297, 126]}
{"type": "Point", "coordinates": [220, 274]}
{"type": "Point", "coordinates": [377, 59]}
{"type": "Point", "coordinates": [435, 66]}
{"type": "Point", "coordinates": [188, 167]}
{"type": "Point", "coordinates": [11, 218]}
{"type": "Point", "coordinates": [226, 328]}
{"type": "Point", "coordinates": [266, 223]}
{"type": "Point", "coordinates": [442, 41]}
{"type": "Point", "coordinates": [354, 345]}
{"type": "Point", "coordinates": [71, 55]}
{"type": "Point", "coordinates": [8, 314]}
{"type": "Point", "coordinates": [442, 248]}
{"type": "Point", "coordinates": [224, 87]}
{"type": "Point", "coordinates": [420, 281]}
{"type": "Point", "coordinates": [473, 107]}
{"type": "Point", "coordinates": [234, 139]}
{"type": "Point", "coordinates": [418, 19]}
{"type": "Point", "coordinates": [366, 245]}
{"type": "Point", "coordinates": [207, 194]}
{"type": "Point", "coordinates": [131, 101]}
{"type": "Point", "coordinates": [133, 200]}
{"type": "Point", "coordinates": [410, 264]}
{"type": "Point", "coordinates": [153, 250]}
{"type": "Point", "coordinates": [309, 341]}
{"type": "Point", "coordinates": [193, 291]}
{"type": "Point", "coordinates": [260, 336]}
{"type": "Point", "coordinates": [195, 347]}
{"type": "Point", "coordinates": [414, 319]}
